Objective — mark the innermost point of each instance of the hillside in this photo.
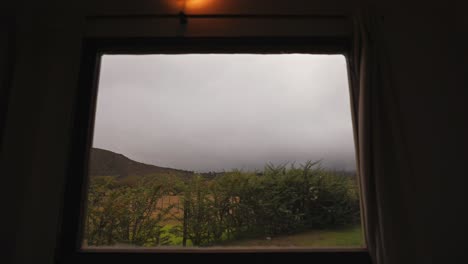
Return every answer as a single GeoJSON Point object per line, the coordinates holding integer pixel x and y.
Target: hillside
{"type": "Point", "coordinates": [108, 163]}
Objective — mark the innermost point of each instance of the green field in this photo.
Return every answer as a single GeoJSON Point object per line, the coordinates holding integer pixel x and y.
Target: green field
{"type": "Point", "coordinates": [345, 237]}
{"type": "Point", "coordinates": [351, 237]}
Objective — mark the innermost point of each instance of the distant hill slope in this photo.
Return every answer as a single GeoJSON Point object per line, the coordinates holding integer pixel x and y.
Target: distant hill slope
{"type": "Point", "coordinates": [107, 163]}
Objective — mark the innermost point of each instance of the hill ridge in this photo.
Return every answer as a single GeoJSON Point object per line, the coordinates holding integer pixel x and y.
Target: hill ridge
{"type": "Point", "coordinates": [108, 163]}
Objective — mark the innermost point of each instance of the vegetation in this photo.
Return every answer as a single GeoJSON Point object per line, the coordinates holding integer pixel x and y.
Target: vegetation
{"type": "Point", "coordinates": [207, 211]}
{"type": "Point", "coordinates": [336, 237]}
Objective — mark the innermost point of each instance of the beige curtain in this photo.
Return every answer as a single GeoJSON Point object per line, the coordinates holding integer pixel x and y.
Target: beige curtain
{"type": "Point", "coordinates": [378, 134]}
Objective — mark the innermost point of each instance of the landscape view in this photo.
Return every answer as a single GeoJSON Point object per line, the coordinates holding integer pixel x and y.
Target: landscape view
{"type": "Point", "coordinates": [222, 151]}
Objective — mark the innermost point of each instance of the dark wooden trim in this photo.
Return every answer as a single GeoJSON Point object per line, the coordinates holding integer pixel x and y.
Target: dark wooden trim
{"type": "Point", "coordinates": [73, 207]}
{"type": "Point", "coordinates": [11, 185]}
{"type": "Point", "coordinates": [220, 16]}
{"type": "Point", "coordinates": [229, 45]}
{"type": "Point", "coordinates": [69, 249]}
{"type": "Point", "coordinates": [312, 257]}
{"type": "Point", "coordinates": [8, 59]}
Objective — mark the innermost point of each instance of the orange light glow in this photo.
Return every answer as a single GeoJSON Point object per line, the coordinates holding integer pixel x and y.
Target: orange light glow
{"type": "Point", "coordinates": [193, 5]}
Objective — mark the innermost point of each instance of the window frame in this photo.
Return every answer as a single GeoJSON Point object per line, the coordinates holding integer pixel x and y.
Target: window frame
{"type": "Point", "coordinates": [74, 206]}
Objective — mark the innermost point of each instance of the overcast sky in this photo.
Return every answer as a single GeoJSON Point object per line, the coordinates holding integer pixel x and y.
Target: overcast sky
{"type": "Point", "coordinates": [219, 112]}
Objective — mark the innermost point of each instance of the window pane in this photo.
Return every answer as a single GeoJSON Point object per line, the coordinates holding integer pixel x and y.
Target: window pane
{"type": "Point", "coordinates": [223, 151]}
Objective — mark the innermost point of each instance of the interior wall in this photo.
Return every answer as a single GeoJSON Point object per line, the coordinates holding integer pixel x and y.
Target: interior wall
{"type": "Point", "coordinates": [428, 68]}
{"type": "Point", "coordinates": [428, 58]}
{"type": "Point", "coordinates": [34, 147]}
{"type": "Point", "coordinates": [6, 67]}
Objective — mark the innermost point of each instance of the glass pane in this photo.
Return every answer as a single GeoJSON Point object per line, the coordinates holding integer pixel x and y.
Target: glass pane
{"type": "Point", "coordinates": [223, 151]}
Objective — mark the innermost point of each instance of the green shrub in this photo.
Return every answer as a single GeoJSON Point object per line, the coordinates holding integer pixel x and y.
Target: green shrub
{"type": "Point", "coordinates": [280, 200]}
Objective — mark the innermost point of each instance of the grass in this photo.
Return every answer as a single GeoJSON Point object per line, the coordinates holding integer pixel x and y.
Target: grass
{"type": "Point", "coordinates": [350, 237]}
{"type": "Point", "coordinates": [345, 237]}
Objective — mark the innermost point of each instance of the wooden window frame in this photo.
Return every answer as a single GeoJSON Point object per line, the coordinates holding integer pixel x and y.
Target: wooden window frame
{"type": "Point", "coordinates": [70, 235]}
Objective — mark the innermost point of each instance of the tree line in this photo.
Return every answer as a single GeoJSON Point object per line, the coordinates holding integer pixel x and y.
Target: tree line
{"type": "Point", "coordinates": [282, 199]}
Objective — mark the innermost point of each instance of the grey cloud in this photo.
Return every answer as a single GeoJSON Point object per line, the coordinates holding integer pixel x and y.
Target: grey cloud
{"type": "Point", "coordinates": [215, 112]}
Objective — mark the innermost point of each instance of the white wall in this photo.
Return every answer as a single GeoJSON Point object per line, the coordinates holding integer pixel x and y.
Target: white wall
{"type": "Point", "coordinates": [428, 61]}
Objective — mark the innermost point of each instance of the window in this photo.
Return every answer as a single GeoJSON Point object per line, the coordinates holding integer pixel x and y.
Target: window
{"type": "Point", "coordinates": [234, 148]}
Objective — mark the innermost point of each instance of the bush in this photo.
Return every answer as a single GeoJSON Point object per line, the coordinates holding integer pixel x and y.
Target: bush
{"type": "Point", "coordinates": [280, 200]}
{"type": "Point", "coordinates": [125, 212]}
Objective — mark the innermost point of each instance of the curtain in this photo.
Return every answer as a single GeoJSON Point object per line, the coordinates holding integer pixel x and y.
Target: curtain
{"type": "Point", "coordinates": [378, 134]}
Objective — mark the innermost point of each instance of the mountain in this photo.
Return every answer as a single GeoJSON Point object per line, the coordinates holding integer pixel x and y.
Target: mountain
{"type": "Point", "coordinates": [107, 163]}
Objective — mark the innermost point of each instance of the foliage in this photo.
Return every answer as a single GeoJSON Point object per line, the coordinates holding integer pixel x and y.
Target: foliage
{"type": "Point", "coordinates": [280, 200]}
{"type": "Point", "coordinates": [125, 212]}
